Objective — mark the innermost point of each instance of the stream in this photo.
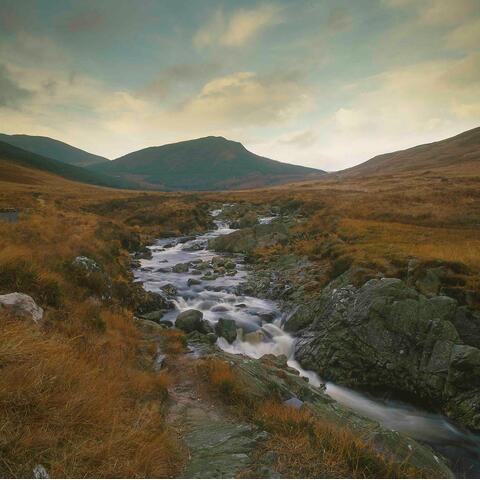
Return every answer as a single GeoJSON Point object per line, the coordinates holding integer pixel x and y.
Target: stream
{"type": "Point", "coordinates": [261, 320]}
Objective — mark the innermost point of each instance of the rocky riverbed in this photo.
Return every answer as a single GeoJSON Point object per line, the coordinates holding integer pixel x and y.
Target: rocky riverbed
{"type": "Point", "coordinates": [382, 337]}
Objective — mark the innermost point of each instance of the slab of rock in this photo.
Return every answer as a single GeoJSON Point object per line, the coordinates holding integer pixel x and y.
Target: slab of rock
{"type": "Point", "coordinates": [192, 321]}
{"type": "Point", "coordinates": [22, 305]}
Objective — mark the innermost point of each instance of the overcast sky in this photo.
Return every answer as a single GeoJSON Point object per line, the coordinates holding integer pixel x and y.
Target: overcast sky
{"type": "Point", "coordinates": [324, 83]}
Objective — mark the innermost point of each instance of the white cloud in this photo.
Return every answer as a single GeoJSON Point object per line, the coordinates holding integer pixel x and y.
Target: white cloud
{"type": "Point", "coordinates": [239, 28]}
{"type": "Point", "coordinates": [466, 36]}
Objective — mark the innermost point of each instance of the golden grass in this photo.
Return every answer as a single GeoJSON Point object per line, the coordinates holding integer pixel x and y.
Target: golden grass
{"type": "Point", "coordinates": [306, 446]}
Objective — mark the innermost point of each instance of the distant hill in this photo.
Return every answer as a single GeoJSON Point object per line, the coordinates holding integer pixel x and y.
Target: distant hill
{"type": "Point", "coordinates": [461, 152]}
{"type": "Point", "coordinates": [209, 163]}
{"type": "Point", "coordinates": [54, 149]}
{"type": "Point", "coordinates": [14, 155]}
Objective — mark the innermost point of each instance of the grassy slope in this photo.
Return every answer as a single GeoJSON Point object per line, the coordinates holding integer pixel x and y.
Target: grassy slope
{"type": "Point", "coordinates": [79, 396]}
{"type": "Point", "coordinates": [206, 163]}
{"type": "Point", "coordinates": [13, 155]}
{"type": "Point", "coordinates": [381, 221]}
{"type": "Point", "coordinates": [459, 152]}
{"type": "Point", "coordinates": [54, 149]}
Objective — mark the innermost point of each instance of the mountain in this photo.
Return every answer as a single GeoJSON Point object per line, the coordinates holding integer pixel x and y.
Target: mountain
{"type": "Point", "coordinates": [10, 155]}
{"type": "Point", "coordinates": [209, 163]}
{"type": "Point", "coordinates": [461, 153]}
{"type": "Point", "coordinates": [54, 149]}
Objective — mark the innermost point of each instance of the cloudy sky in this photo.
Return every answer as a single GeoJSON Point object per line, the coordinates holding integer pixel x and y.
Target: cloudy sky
{"type": "Point", "coordinates": [324, 83]}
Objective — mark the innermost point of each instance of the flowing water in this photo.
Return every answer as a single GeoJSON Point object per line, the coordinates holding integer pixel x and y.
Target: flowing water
{"type": "Point", "coordinates": [261, 320]}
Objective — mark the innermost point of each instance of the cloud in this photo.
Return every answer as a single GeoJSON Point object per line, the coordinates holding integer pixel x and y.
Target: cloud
{"type": "Point", "coordinates": [11, 95]}
{"type": "Point", "coordinates": [239, 28]}
{"type": "Point", "coordinates": [245, 97]}
{"type": "Point", "coordinates": [300, 139]}
{"type": "Point", "coordinates": [466, 36]}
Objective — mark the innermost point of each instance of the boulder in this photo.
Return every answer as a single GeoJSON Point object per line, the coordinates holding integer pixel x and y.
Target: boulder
{"type": "Point", "coordinates": [181, 268]}
{"type": "Point", "coordinates": [193, 281]}
{"type": "Point", "coordinates": [227, 329]}
{"type": "Point", "coordinates": [190, 321]}
{"type": "Point", "coordinates": [385, 336]}
{"type": "Point", "coordinates": [147, 302]}
{"type": "Point", "coordinates": [22, 305]}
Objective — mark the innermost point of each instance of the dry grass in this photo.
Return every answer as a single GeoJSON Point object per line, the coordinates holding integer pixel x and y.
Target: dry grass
{"type": "Point", "coordinates": [79, 414]}
{"type": "Point", "coordinates": [78, 396]}
{"type": "Point", "coordinates": [305, 445]}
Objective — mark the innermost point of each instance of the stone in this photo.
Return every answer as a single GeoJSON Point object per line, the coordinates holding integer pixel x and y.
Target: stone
{"type": "Point", "coordinates": [169, 289]}
{"type": "Point", "coordinates": [190, 321]}
{"type": "Point", "coordinates": [227, 329]}
{"type": "Point", "coordinates": [181, 268]}
{"type": "Point", "coordinates": [23, 306]}
{"type": "Point", "coordinates": [193, 281]}
{"type": "Point", "coordinates": [253, 337]}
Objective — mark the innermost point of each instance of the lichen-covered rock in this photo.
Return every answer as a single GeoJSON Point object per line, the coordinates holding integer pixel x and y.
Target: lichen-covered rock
{"type": "Point", "coordinates": [22, 305]}
{"type": "Point", "coordinates": [181, 268]}
{"type": "Point", "coordinates": [169, 289]}
{"type": "Point", "coordinates": [386, 336]}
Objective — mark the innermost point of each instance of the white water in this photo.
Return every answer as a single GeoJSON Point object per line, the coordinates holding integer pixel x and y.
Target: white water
{"type": "Point", "coordinates": [218, 298]}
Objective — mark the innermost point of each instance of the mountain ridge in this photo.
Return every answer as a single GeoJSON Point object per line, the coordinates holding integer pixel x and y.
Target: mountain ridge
{"type": "Point", "coordinates": [54, 149]}
{"type": "Point", "coordinates": [206, 163]}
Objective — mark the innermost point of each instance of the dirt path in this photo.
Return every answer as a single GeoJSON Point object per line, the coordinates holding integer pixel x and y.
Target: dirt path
{"type": "Point", "coordinates": [219, 445]}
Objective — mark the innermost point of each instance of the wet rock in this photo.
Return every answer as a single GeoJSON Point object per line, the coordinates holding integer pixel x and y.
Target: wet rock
{"type": "Point", "coordinates": [186, 239]}
{"type": "Point", "coordinates": [211, 337]}
{"type": "Point", "coordinates": [196, 272]}
{"type": "Point", "coordinates": [231, 273]}
{"type": "Point", "coordinates": [227, 329]}
{"type": "Point", "coordinates": [169, 289]}
{"type": "Point", "coordinates": [194, 247]}
{"type": "Point", "coordinates": [193, 281]}
{"type": "Point", "coordinates": [230, 265]}
{"type": "Point", "coordinates": [181, 268]}
{"type": "Point", "coordinates": [23, 306]}
{"type": "Point", "coordinates": [192, 321]}
{"type": "Point", "coordinates": [209, 277]}
{"type": "Point", "coordinates": [253, 337]}
{"type": "Point", "coordinates": [143, 253]}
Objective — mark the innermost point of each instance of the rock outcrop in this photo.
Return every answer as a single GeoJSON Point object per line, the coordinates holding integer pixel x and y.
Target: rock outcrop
{"type": "Point", "coordinates": [385, 336]}
{"type": "Point", "coordinates": [247, 239]}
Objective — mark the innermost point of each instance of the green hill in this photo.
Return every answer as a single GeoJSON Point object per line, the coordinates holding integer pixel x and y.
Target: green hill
{"type": "Point", "coordinates": [22, 157]}
{"type": "Point", "coordinates": [54, 149]}
{"type": "Point", "coordinates": [209, 163]}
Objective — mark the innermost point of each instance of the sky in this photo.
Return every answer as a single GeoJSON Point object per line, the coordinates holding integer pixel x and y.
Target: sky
{"type": "Point", "coordinates": [322, 83]}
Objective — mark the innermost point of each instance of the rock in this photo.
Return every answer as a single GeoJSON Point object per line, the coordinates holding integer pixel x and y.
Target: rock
{"type": "Point", "coordinates": [209, 277]}
{"type": "Point", "coordinates": [196, 272]}
{"type": "Point", "coordinates": [253, 337]}
{"type": "Point", "coordinates": [22, 305]}
{"type": "Point", "coordinates": [181, 268]}
{"type": "Point", "coordinates": [194, 247]}
{"type": "Point", "coordinates": [193, 281]}
{"type": "Point", "coordinates": [40, 472]}
{"type": "Point", "coordinates": [86, 264]}
{"type": "Point", "coordinates": [227, 329]}
{"type": "Point", "coordinates": [293, 402]}
{"type": "Point", "coordinates": [212, 337]}
{"type": "Point", "coordinates": [230, 265]}
{"type": "Point", "coordinates": [186, 239]}
{"type": "Point", "coordinates": [154, 316]}
{"type": "Point", "coordinates": [386, 336]}
{"type": "Point", "coordinates": [299, 319]}
{"type": "Point", "coordinates": [148, 302]}
{"type": "Point", "coordinates": [143, 253]}
{"type": "Point", "coordinates": [247, 239]}
{"type": "Point", "coordinates": [169, 289]}
{"type": "Point", "coordinates": [192, 321]}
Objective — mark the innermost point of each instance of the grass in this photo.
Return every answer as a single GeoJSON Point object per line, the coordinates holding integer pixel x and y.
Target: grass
{"type": "Point", "coordinates": [305, 446]}
{"type": "Point", "coordinates": [79, 396]}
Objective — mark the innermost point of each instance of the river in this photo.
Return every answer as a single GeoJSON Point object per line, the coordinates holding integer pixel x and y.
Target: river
{"type": "Point", "coordinates": [261, 321]}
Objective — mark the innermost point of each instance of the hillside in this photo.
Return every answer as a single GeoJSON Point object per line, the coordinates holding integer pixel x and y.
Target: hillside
{"type": "Point", "coordinates": [11, 156]}
{"type": "Point", "coordinates": [210, 163]}
{"type": "Point", "coordinates": [54, 149]}
{"type": "Point", "coordinates": [461, 152]}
